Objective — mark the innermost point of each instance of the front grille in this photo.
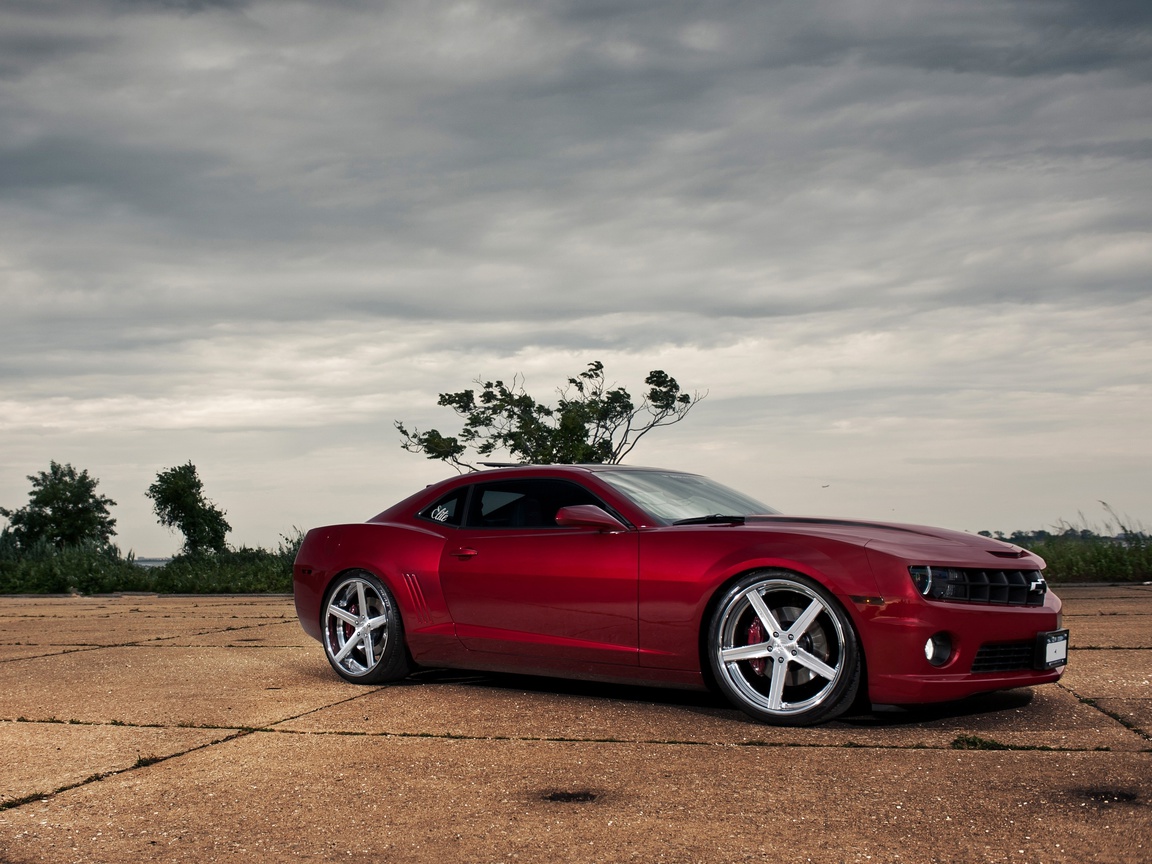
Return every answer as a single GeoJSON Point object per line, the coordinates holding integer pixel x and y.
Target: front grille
{"type": "Point", "coordinates": [973, 585]}
{"type": "Point", "coordinates": [1004, 657]}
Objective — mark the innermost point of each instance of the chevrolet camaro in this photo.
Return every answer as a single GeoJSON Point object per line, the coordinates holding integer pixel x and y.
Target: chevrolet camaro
{"type": "Point", "coordinates": [664, 578]}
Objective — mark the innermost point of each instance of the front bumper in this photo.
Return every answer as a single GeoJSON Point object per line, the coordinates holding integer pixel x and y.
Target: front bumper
{"type": "Point", "coordinates": [894, 635]}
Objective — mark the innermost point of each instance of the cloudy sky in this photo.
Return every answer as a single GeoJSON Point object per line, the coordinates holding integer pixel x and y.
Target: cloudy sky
{"type": "Point", "coordinates": [905, 247]}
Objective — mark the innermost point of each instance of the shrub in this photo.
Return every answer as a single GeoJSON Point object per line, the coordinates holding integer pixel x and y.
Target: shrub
{"type": "Point", "coordinates": [233, 571]}
{"type": "Point", "coordinates": [85, 568]}
{"type": "Point", "coordinates": [97, 569]}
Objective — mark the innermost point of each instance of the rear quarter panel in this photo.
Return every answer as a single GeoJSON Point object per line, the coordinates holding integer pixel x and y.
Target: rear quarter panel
{"type": "Point", "coordinates": [405, 558]}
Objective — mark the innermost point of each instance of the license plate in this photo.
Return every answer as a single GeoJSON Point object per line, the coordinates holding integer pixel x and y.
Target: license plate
{"type": "Point", "coordinates": [1051, 649]}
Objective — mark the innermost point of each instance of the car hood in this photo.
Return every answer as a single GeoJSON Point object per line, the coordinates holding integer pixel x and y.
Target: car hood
{"type": "Point", "coordinates": [901, 539]}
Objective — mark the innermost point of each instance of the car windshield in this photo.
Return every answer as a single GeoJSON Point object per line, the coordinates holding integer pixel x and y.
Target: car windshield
{"type": "Point", "coordinates": [673, 497]}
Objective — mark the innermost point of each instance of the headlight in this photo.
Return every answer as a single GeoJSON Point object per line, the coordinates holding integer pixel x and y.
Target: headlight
{"type": "Point", "coordinates": [940, 583]}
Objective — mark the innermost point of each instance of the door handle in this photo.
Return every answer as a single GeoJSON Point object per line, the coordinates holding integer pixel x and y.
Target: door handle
{"type": "Point", "coordinates": [463, 553]}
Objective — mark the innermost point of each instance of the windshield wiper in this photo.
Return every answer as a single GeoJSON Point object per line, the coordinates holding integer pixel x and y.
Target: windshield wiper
{"type": "Point", "coordinates": [711, 519]}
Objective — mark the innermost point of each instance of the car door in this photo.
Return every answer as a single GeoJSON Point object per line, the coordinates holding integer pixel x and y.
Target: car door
{"type": "Point", "coordinates": [516, 583]}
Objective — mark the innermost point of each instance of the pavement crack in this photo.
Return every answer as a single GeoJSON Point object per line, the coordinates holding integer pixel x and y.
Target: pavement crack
{"type": "Point", "coordinates": [960, 743]}
{"type": "Point", "coordinates": [140, 763]}
{"type": "Point", "coordinates": [325, 707]}
{"type": "Point", "coordinates": [70, 650]}
{"type": "Point", "coordinates": [1119, 718]}
{"type": "Point", "coordinates": [150, 642]}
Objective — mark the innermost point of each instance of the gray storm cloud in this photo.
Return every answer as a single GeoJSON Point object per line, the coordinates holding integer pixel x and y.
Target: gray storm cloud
{"type": "Point", "coordinates": [904, 244]}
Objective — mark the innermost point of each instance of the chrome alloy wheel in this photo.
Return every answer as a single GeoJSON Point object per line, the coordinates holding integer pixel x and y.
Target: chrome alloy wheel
{"type": "Point", "coordinates": [358, 620]}
{"type": "Point", "coordinates": [783, 650]}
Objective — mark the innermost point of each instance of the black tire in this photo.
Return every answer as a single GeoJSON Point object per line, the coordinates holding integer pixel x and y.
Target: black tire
{"type": "Point", "coordinates": [362, 631]}
{"type": "Point", "coordinates": [773, 670]}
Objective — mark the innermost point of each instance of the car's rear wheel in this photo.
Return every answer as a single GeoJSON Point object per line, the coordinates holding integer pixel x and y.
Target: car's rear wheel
{"type": "Point", "coordinates": [783, 650]}
{"type": "Point", "coordinates": [363, 633]}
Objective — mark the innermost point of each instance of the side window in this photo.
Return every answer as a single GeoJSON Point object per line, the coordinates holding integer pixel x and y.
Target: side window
{"type": "Point", "coordinates": [523, 503]}
{"type": "Point", "coordinates": [448, 510]}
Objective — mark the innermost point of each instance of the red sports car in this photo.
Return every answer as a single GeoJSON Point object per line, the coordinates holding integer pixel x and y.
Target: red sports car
{"type": "Point", "coordinates": [612, 573]}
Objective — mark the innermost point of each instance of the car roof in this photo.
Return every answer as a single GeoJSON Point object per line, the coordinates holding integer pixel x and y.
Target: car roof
{"type": "Point", "coordinates": [593, 467]}
{"type": "Point", "coordinates": [497, 471]}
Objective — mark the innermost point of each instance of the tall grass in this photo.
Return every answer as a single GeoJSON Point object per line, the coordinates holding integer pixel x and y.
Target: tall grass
{"type": "Point", "coordinates": [93, 569]}
{"type": "Point", "coordinates": [1096, 559]}
{"type": "Point", "coordinates": [1117, 551]}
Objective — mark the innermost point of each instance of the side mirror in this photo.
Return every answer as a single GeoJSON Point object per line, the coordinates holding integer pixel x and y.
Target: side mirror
{"type": "Point", "coordinates": [588, 516]}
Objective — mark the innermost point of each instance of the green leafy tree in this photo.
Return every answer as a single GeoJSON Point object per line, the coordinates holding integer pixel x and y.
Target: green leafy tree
{"type": "Point", "coordinates": [591, 422]}
{"type": "Point", "coordinates": [63, 509]}
{"type": "Point", "coordinates": [178, 499]}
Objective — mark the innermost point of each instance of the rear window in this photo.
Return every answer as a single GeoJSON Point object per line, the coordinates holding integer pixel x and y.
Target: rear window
{"type": "Point", "coordinates": [448, 510]}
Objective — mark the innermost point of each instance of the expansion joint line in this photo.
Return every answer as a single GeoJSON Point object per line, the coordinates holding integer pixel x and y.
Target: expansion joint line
{"type": "Point", "coordinates": [1119, 718]}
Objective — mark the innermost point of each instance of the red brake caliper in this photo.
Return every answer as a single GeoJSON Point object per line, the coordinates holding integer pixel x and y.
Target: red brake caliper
{"type": "Point", "coordinates": [755, 637]}
{"type": "Point", "coordinates": [348, 628]}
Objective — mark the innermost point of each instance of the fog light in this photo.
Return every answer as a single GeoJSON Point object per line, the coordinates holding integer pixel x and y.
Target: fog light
{"type": "Point", "coordinates": [938, 649]}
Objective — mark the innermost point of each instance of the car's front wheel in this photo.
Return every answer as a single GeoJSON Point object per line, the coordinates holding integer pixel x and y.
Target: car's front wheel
{"type": "Point", "coordinates": [783, 650]}
{"type": "Point", "coordinates": [363, 633]}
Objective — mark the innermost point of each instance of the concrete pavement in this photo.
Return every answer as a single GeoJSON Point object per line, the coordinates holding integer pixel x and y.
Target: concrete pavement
{"type": "Point", "coordinates": [206, 728]}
